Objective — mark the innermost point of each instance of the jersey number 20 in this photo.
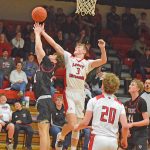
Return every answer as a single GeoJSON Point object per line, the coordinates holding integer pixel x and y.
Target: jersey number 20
{"type": "Point", "coordinates": [108, 114]}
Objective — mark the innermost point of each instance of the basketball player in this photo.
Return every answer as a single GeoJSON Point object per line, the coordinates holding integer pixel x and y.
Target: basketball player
{"type": "Point", "coordinates": [77, 69]}
{"type": "Point", "coordinates": [137, 116]}
{"type": "Point", "coordinates": [42, 89]}
{"type": "Point", "coordinates": [106, 112]}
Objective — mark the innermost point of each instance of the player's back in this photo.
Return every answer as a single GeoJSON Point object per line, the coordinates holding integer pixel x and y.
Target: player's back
{"type": "Point", "coordinates": [106, 112]}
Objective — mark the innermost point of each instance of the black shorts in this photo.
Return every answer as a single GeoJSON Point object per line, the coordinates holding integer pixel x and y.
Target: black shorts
{"type": "Point", "coordinates": [6, 124]}
{"type": "Point", "coordinates": [138, 140]}
{"type": "Point", "coordinates": [45, 108]}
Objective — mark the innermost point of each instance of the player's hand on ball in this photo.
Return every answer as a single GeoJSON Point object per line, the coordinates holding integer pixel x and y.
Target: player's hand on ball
{"type": "Point", "coordinates": [38, 28]}
{"type": "Point", "coordinates": [101, 43]}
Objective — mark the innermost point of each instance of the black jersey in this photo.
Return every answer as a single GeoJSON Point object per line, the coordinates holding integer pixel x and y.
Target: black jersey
{"type": "Point", "coordinates": [58, 117]}
{"type": "Point", "coordinates": [42, 81]}
{"type": "Point", "coordinates": [134, 110]}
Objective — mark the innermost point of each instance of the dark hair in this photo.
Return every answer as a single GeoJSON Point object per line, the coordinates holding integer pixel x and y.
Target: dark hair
{"type": "Point", "coordinates": [17, 101]}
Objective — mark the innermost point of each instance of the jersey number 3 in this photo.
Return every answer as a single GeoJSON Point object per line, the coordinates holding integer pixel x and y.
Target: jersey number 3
{"type": "Point", "coordinates": [108, 114]}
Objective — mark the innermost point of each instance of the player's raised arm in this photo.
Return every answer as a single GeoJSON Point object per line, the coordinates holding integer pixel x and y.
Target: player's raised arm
{"type": "Point", "coordinates": [103, 59]}
{"type": "Point", "coordinates": [51, 41]}
{"type": "Point", "coordinates": [40, 53]}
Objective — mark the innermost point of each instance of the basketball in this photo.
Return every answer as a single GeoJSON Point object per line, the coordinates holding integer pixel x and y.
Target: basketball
{"type": "Point", "coordinates": [39, 14]}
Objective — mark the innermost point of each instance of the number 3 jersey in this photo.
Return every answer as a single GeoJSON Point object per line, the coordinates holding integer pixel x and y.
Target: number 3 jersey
{"type": "Point", "coordinates": [134, 110]}
{"type": "Point", "coordinates": [76, 71]}
{"type": "Point", "coordinates": [106, 111]}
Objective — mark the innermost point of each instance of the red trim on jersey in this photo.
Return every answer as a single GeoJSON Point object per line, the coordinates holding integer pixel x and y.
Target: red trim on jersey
{"type": "Point", "coordinates": [64, 94]}
{"type": "Point", "coordinates": [79, 60]}
{"type": "Point", "coordinates": [100, 96]}
{"type": "Point", "coordinates": [117, 101]}
{"type": "Point", "coordinates": [65, 101]}
{"type": "Point", "coordinates": [92, 136]}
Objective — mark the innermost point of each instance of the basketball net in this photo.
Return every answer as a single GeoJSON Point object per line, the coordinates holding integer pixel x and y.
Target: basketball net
{"type": "Point", "coordinates": [85, 7]}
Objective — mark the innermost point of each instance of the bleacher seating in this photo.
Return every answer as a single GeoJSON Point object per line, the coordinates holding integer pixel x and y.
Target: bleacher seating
{"type": "Point", "coordinates": [12, 95]}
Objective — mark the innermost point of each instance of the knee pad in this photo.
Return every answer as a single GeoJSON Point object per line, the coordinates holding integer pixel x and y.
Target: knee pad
{"type": "Point", "coordinates": [75, 135]}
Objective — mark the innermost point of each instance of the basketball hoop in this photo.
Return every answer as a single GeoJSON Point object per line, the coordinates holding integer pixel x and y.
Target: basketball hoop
{"type": "Point", "coordinates": [85, 7]}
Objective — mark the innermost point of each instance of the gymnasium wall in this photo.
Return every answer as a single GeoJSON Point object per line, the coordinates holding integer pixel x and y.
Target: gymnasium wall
{"type": "Point", "coordinates": [21, 9]}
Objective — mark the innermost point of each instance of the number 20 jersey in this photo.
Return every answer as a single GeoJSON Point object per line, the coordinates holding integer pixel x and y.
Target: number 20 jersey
{"type": "Point", "coordinates": [106, 111]}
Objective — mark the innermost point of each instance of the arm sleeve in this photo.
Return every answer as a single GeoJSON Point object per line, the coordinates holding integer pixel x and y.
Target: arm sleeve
{"type": "Point", "coordinates": [67, 55]}
{"type": "Point", "coordinates": [142, 105]}
{"type": "Point", "coordinates": [90, 105]}
{"type": "Point", "coordinates": [12, 77]}
{"type": "Point", "coordinates": [25, 77]}
{"type": "Point", "coordinates": [122, 110]}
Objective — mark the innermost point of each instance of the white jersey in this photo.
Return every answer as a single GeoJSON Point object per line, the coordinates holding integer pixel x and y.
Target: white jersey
{"type": "Point", "coordinates": [106, 111]}
{"type": "Point", "coordinates": [76, 71]}
{"type": "Point", "coordinates": [5, 110]}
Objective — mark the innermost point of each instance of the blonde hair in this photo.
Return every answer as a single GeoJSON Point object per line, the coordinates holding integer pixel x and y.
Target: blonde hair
{"type": "Point", "coordinates": [111, 83]}
{"type": "Point", "coordinates": [140, 84]}
{"type": "Point", "coordinates": [60, 60]}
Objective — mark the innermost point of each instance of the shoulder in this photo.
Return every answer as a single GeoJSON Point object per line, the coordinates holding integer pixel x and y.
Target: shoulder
{"type": "Point", "coordinates": [127, 102]}
{"type": "Point", "coordinates": [141, 100]}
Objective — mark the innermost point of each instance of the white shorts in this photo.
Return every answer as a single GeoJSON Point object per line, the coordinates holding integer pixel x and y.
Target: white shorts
{"type": "Point", "coordinates": [102, 143]}
{"type": "Point", "coordinates": [74, 102]}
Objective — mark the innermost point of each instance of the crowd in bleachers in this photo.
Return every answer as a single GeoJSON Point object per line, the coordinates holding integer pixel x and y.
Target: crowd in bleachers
{"type": "Point", "coordinates": [125, 33]}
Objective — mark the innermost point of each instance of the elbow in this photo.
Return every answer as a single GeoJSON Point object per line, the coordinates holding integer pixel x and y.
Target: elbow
{"type": "Point", "coordinates": [104, 61]}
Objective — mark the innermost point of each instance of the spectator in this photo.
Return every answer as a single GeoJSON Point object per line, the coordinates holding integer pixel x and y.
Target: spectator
{"type": "Point", "coordinates": [29, 45]}
{"type": "Point", "coordinates": [138, 48]}
{"type": "Point", "coordinates": [5, 120]}
{"type": "Point", "coordinates": [59, 38]}
{"type": "Point", "coordinates": [137, 115]}
{"type": "Point", "coordinates": [83, 37]}
{"type": "Point", "coordinates": [113, 20]}
{"type": "Point", "coordinates": [142, 65]}
{"type": "Point", "coordinates": [69, 28]}
{"type": "Point", "coordinates": [19, 80]}
{"type": "Point", "coordinates": [18, 44]}
{"type": "Point", "coordinates": [60, 17]}
{"type": "Point", "coordinates": [27, 31]}
{"type": "Point", "coordinates": [129, 23]}
{"type": "Point", "coordinates": [58, 120]}
{"type": "Point", "coordinates": [143, 24]}
{"type": "Point", "coordinates": [96, 28]}
{"type": "Point", "coordinates": [2, 28]}
{"type": "Point", "coordinates": [30, 67]}
{"type": "Point", "coordinates": [22, 120]}
{"type": "Point", "coordinates": [97, 82]}
{"type": "Point", "coordinates": [4, 44]}
{"type": "Point", "coordinates": [146, 96]}
{"type": "Point", "coordinates": [6, 66]}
